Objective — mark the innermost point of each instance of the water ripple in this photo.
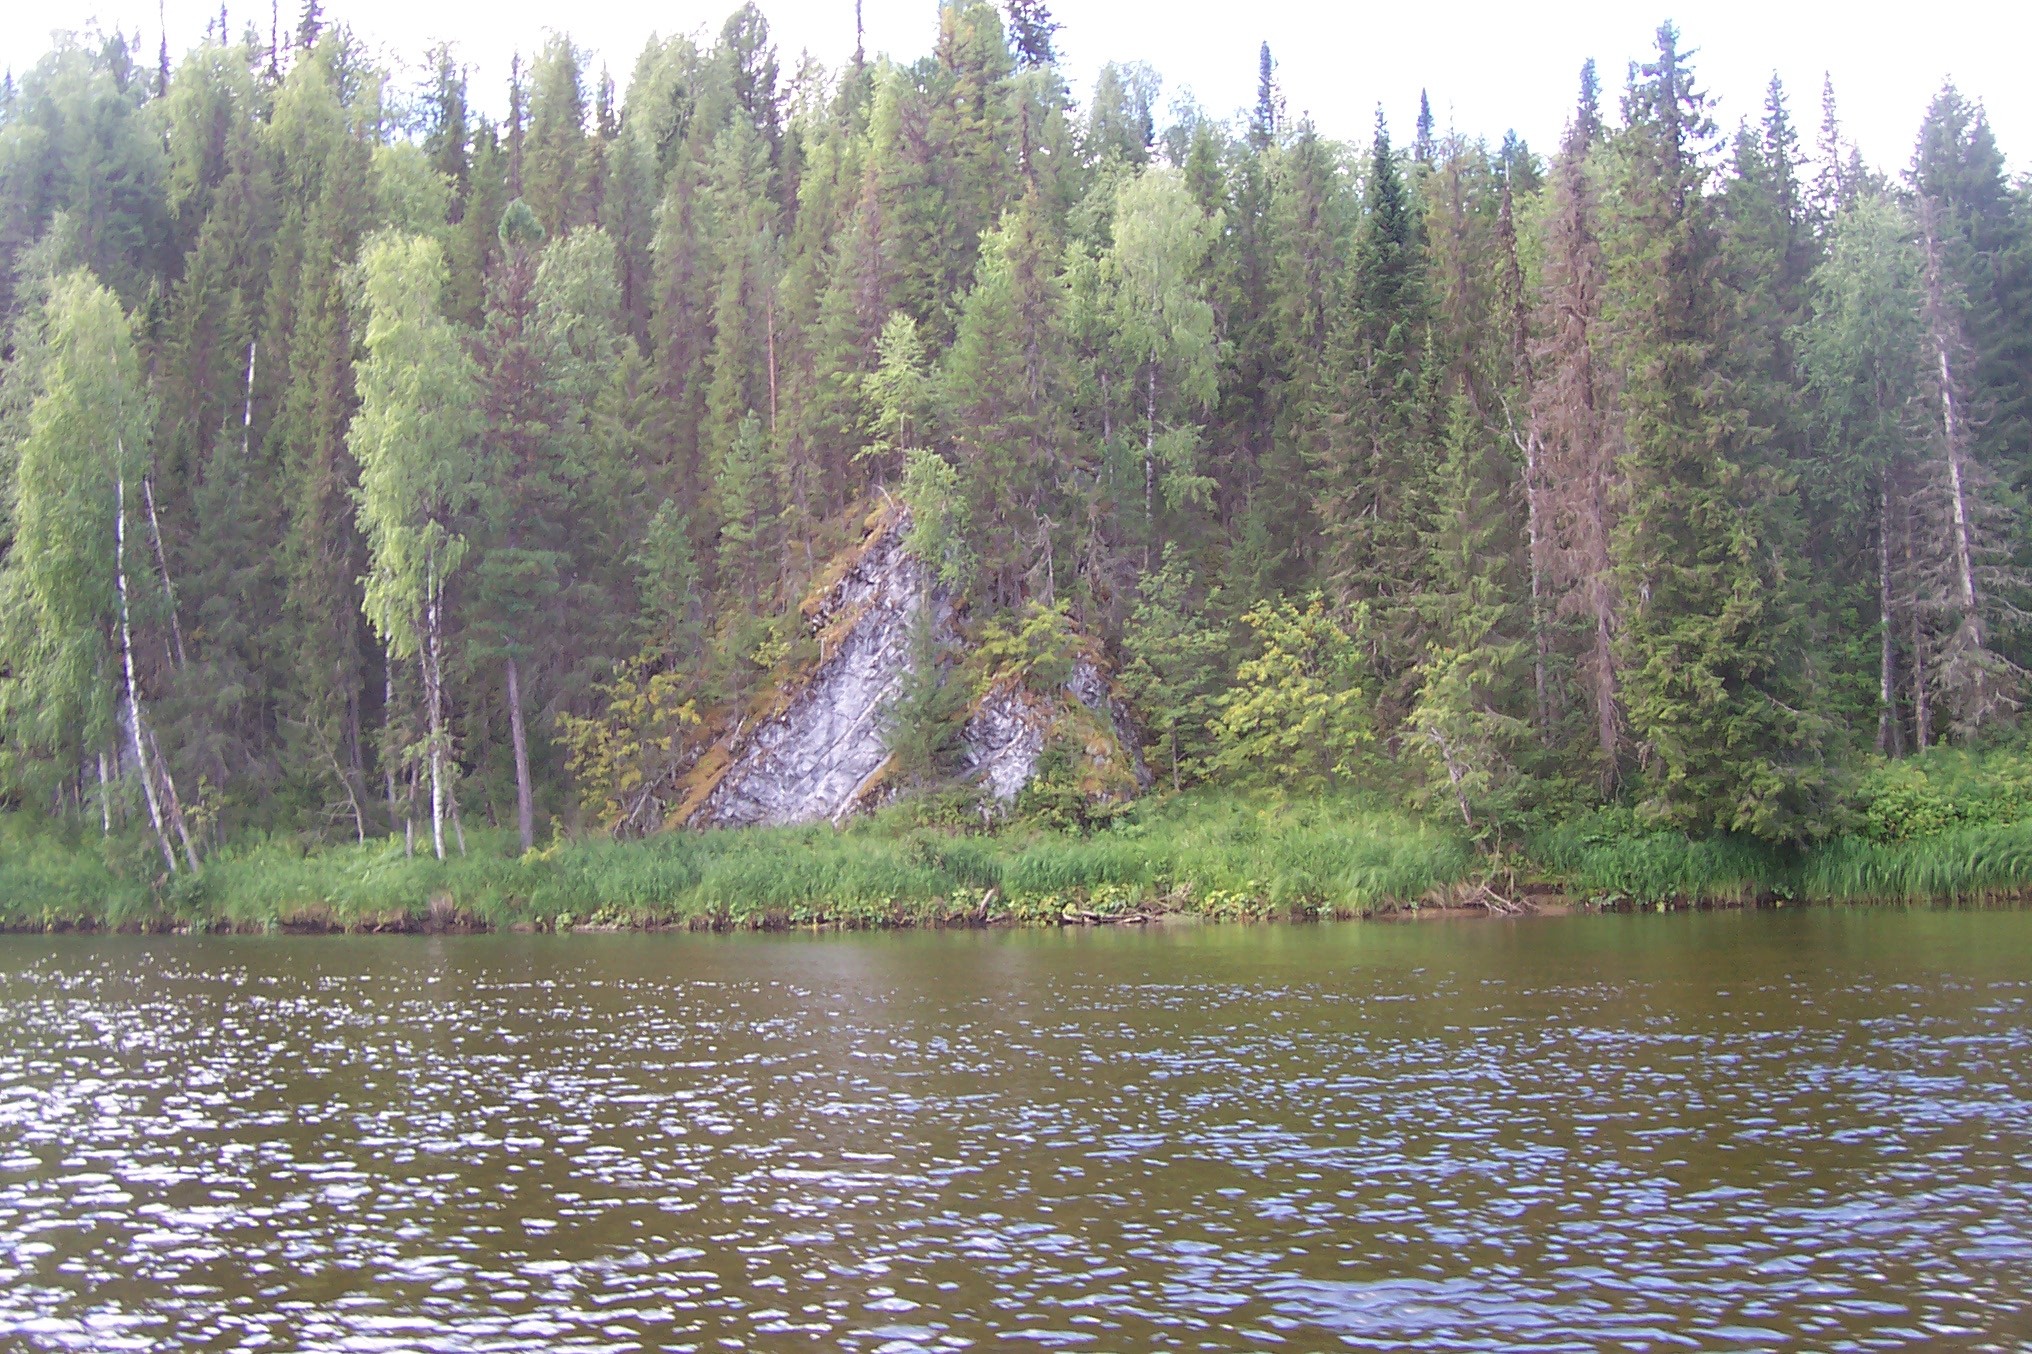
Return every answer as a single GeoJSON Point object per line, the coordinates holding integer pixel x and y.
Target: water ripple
{"type": "Point", "coordinates": [1746, 1132]}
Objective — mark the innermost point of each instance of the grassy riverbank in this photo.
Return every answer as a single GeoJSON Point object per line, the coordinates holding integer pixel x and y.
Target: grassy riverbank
{"type": "Point", "coordinates": [1950, 827]}
{"type": "Point", "coordinates": [1219, 857]}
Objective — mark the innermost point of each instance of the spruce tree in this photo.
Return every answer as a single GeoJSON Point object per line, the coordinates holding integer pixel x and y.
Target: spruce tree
{"type": "Point", "coordinates": [1708, 641]}
{"type": "Point", "coordinates": [1373, 468]}
{"type": "Point", "coordinates": [1004, 391]}
{"type": "Point", "coordinates": [1574, 415]}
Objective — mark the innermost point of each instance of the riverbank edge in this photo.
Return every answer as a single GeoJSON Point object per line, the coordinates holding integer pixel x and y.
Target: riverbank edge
{"type": "Point", "coordinates": [1217, 858]}
{"type": "Point", "coordinates": [437, 919]}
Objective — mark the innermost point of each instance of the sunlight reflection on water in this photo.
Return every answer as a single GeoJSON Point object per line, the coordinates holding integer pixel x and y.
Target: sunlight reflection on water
{"type": "Point", "coordinates": [1728, 1131]}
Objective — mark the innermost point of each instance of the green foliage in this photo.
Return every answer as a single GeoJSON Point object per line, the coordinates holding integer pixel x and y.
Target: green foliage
{"type": "Point", "coordinates": [1038, 647]}
{"type": "Point", "coordinates": [1060, 795]}
{"type": "Point", "coordinates": [409, 194]}
{"type": "Point", "coordinates": [625, 760]}
{"type": "Point", "coordinates": [1615, 857]}
{"type": "Point", "coordinates": [414, 438]}
{"type": "Point", "coordinates": [1177, 666]}
{"type": "Point", "coordinates": [939, 518]}
{"type": "Point", "coordinates": [745, 494]}
{"type": "Point", "coordinates": [672, 605]}
{"type": "Point", "coordinates": [86, 430]}
{"type": "Point", "coordinates": [898, 391]}
{"type": "Point", "coordinates": [1947, 790]}
{"type": "Point", "coordinates": [1214, 856]}
{"type": "Point", "coordinates": [1627, 486]}
{"type": "Point", "coordinates": [922, 721]}
{"type": "Point", "coordinates": [1164, 332]}
{"type": "Point", "coordinates": [1463, 724]}
{"type": "Point", "coordinates": [1297, 715]}
{"type": "Point", "coordinates": [1709, 688]}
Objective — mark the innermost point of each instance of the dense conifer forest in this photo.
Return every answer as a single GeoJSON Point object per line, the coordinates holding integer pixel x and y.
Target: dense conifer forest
{"type": "Point", "coordinates": [370, 468]}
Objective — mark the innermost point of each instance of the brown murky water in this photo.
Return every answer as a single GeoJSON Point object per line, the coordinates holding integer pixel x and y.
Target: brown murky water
{"type": "Point", "coordinates": [1801, 1129]}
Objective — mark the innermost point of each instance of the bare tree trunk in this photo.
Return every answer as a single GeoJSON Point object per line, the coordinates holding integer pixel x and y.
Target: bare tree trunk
{"type": "Point", "coordinates": [173, 802]}
{"type": "Point", "coordinates": [354, 772]}
{"type": "Point", "coordinates": [127, 658]}
{"type": "Point", "coordinates": [1150, 466]}
{"type": "Point", "coordinates": [1541, 639]}
{"type": "Point", "coordinates": [1890, 734]}
{"type": "Point", "coordinates": [1922, 703]}
{"type": "Point", "coordinates": [1531, 443]}
{"type": "Point", "coordinates": [105, 800]}
{"type": "Point", "coordinates": [1607, 728]}
{"type": "Point", "coordinates": [1573, 414]}
{"type": "Point", "coordinates": [162, 566]}
{"type": "Point", "coordinates": [387, 720]}
{"type": "Point", "coordinates": [1533, 448]}
{"type": "Point", "coordinates": [525, 806]}
{"type": "Point", "coordinates": [452, 807]}
{"type": "Point", "coordinates": [247, 408]}
{"type": "Point", "coordinates": [1455, 774]}
{"type": "Point", "coordinates": [769, 313]}
{"type": "Point", "coordinates": [1953, 426]}
{"type": "Point", "coordinates": [444, 799]}
{"type": "Point", "coordinates": [433, 700]}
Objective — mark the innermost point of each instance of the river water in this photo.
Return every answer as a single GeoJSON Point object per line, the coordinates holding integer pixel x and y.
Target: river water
{"type": "Point", "coordinates": [1805, 1128]}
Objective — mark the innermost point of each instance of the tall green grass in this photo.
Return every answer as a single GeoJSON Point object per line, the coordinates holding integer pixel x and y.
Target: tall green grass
{"type": "Point", "coordinates": [1220, 856]}
{"type": "Point", "coordinates": [50, 880]}
{"type": "Point", "coordinates": [1211, 854]}
{"type": "Point", "coordinates": [1970, 864]}
{"type": "Point", "coordinates": [1603, 858]}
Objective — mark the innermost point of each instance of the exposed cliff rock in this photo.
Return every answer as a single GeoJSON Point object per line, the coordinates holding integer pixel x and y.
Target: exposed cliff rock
{"type": "Point", "coordinates": [817, 750]}
{"type": "Point", "coordinates": [1005, 737]}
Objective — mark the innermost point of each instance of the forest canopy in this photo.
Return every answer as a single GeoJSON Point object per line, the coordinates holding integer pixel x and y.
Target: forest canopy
{"type": "Point", "coordinates": [367, 462]}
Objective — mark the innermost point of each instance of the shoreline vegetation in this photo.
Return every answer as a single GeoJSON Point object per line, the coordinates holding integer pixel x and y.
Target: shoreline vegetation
{"type": "Point", "coordinates": [1952, 828]}
{"type": "Point", "coordinates": [420, 516]}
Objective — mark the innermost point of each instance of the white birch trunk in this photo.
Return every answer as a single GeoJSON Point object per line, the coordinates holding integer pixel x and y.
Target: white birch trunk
{"type": "Point", "coordinates": [1541, 642]}
{"type": "Point", "coordinates": [127, 659]}
{"type": "Point", "coordinates": [105, 800]}
{"type": "Point", "coordinates": [430, 682]}
{"type": "Point", "coordinates": [1954, 432]}
{"type": "Point", "coordinates": [387, 716]}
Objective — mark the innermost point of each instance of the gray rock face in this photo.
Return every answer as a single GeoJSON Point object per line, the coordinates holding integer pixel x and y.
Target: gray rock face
{"type": "Point", "coordinates": [1005, 736]}
{"type": "Point", "coordinates": [1090, 688]}
{"type": "Point", "coordinates": [815, 757]}
{"type": "Point", "coordinates": [1003, 740]}
{"type": "Point", "coordinates": [820, 754]}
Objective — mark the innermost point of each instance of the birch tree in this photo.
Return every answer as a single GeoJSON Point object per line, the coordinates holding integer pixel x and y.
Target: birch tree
{"type": "Point", "coordinates": [73, 690]}
{"type": "Point", "coordinates": [1155, 276]}
{"type": "Point", "coordinates": [415, 438]}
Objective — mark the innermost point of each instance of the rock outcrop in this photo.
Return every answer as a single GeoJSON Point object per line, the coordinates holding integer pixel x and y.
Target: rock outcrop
{"type": "Point", "coordinates": [818, 755]}
{"type": "Point", "coordinates": [818, 751]}
{"type": "Point", "coordinates": [1005, 737]}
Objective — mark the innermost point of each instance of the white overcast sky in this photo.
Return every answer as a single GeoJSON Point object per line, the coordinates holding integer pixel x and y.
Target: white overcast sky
{"type": "Point", "coordinates": [1489, 66]}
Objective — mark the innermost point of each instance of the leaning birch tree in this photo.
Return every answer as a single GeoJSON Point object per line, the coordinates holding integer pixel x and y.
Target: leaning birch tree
{"type": "Point", "coordinates": [73, 691]}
